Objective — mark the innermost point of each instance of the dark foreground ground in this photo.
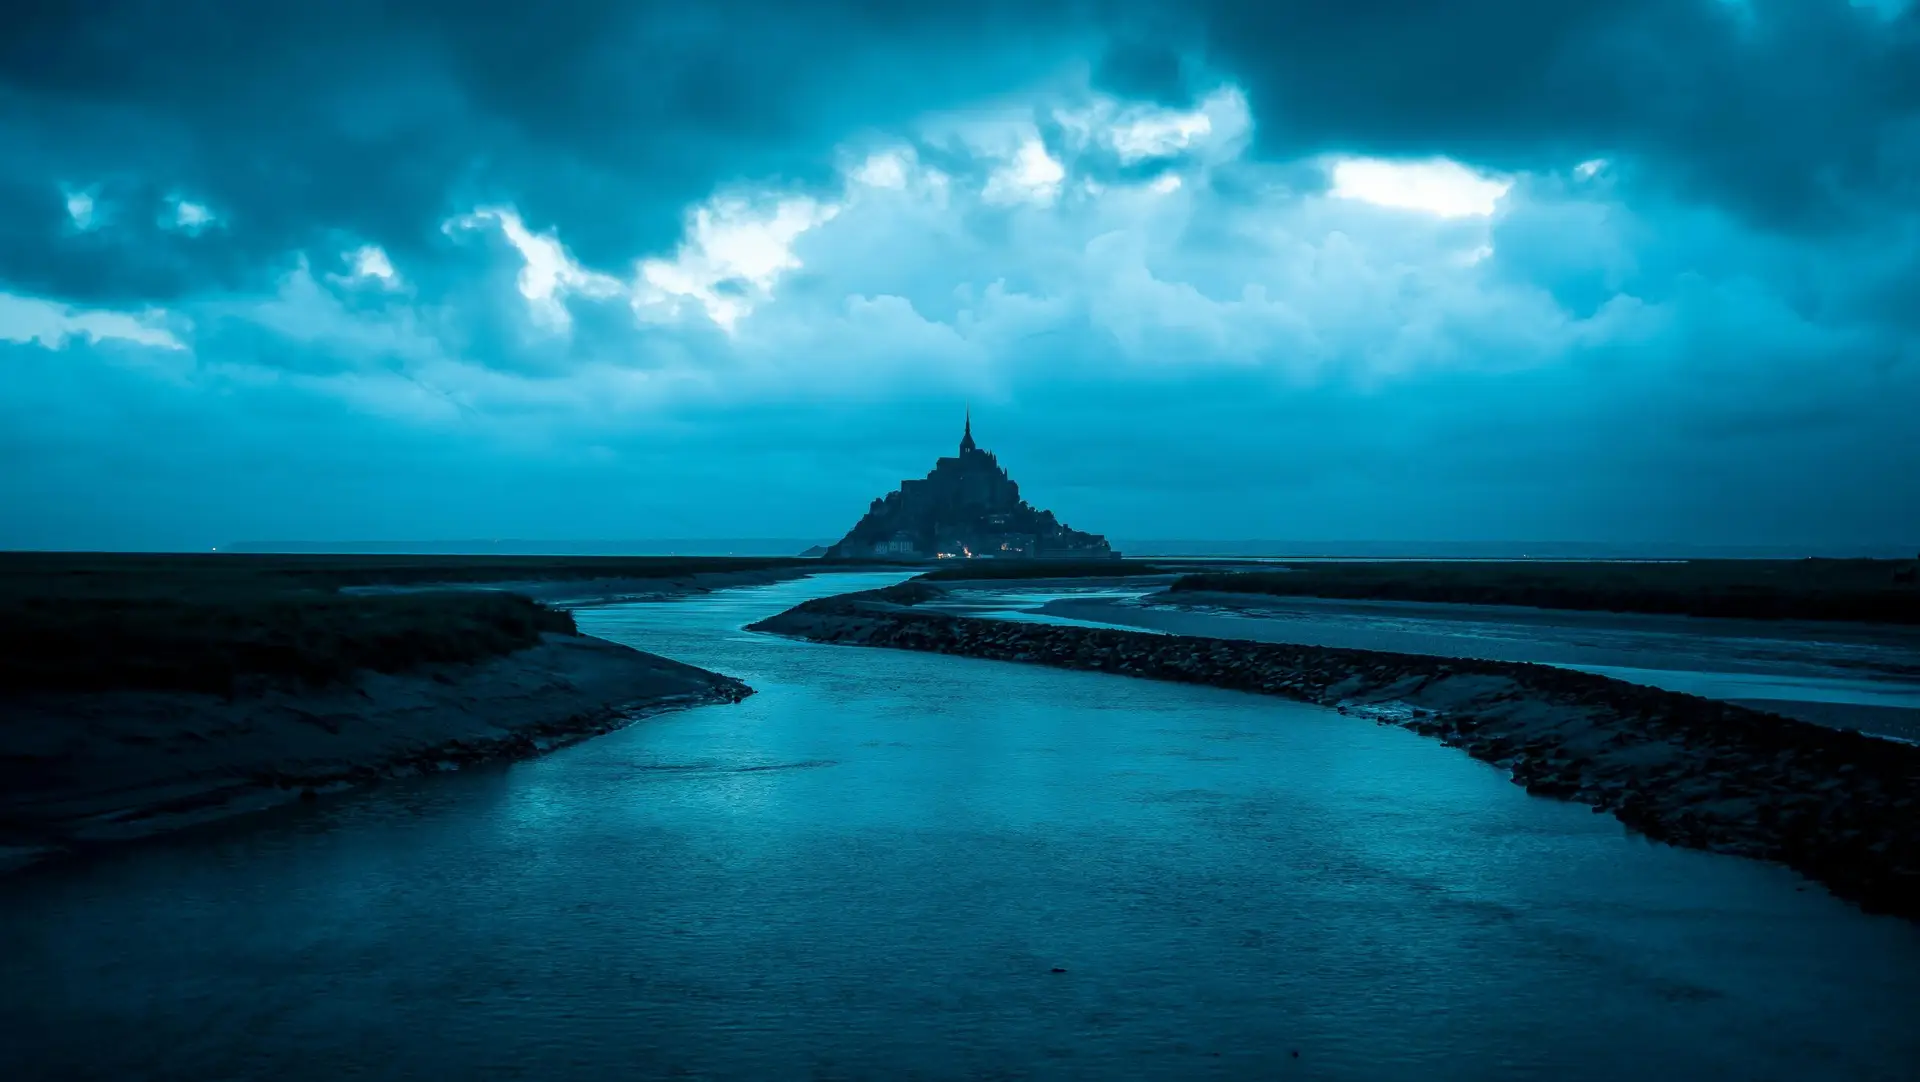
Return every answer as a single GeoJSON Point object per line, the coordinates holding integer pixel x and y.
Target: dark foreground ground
{"type": "Point", "coordinates": [220, 622]}
{"type": "Point", "coordinates": [872, 868]}
{"type": "Point", "coordinates": [141, 691]}
{"type": "Point", "coordinates": [1839, 807]}
{"type": "Point", "coordinates": [1878, 591]}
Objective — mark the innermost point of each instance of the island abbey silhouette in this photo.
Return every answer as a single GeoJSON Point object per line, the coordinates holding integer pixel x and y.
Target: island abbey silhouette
{"type": "Point", "coordinates": [966, 507]}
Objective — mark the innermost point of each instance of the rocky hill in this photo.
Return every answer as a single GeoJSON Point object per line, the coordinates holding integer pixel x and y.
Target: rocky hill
{"type": "Point", "coordinates": [966, 507]}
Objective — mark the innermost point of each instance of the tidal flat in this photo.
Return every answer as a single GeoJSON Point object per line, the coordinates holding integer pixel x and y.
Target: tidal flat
{"type": "Point", "coordinates": [1871, 591]}
{"type": "Point", "coordinates": [878, 866]}
{"type": "Point", "coordinates": [140, 693]}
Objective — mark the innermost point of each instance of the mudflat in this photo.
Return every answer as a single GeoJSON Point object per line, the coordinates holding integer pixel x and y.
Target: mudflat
{"type": "Point", "coordinates": [1873, 591]}
{"type": "Point", "coordinates": [1842, 675]}
{"type": "Point", "coordinates": [81, 768]}
{"type": "Point", "coordinates": [141, 693]}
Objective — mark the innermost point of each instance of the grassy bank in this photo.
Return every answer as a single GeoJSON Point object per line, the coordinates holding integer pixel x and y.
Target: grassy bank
{"type": "Point", "coordinates": [211, 622]}
{"type": "Point", "coordinates": [1877, 591]}
{"type": "Point", "coordinates": [95, 572]}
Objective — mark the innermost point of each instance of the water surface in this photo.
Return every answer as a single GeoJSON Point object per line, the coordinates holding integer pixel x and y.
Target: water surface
{"type": "Point", "coordinates": [872, 868]}
{"type": "Point", "coordinates": [1853, 676]}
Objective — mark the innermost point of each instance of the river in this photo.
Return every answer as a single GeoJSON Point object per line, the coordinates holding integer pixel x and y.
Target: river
{"type": "Point", "coordinates": [892, 865]}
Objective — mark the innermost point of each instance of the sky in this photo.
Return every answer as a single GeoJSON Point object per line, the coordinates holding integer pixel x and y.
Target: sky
{"type": "Point", "coordinates": [1639, 272]}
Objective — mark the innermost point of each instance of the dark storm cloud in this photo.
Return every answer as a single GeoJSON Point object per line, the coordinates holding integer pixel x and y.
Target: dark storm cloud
{"type": "Point", "coordinates": [296, 122]}
{"type": "Point", "coordinates": [1135, 65]}
{"type": "Point", "coordinates": [1799, 113]}
{"type": "Point", "coordinates": [380, 119]}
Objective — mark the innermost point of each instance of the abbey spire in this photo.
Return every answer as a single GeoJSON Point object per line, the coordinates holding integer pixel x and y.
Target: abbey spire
{"type": "Point", "coordinates": [966, 437]}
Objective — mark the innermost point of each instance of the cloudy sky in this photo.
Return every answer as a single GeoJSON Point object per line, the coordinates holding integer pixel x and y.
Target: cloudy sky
{"type": "Point", "coordinates": [1631, 271]}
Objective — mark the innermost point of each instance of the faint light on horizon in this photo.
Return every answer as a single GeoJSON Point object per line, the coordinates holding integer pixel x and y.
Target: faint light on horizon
{"type": "Point", "coordinates": [1438, 186]}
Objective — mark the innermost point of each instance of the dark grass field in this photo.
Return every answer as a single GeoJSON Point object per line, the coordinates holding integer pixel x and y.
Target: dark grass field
{"type": "Point", "coordinates": [93, 573]}
{"type": "Point", "coordinates": [1871, 591]}
{"type": "Point", "coordinates": [212, 622]}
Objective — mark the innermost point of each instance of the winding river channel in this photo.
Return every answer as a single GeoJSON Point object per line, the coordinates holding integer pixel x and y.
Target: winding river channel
{"type": "Point", "coordinates": [892, 865]}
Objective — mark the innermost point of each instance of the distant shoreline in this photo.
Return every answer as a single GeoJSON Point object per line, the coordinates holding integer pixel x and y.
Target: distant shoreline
{"type": "Point", "coordinates": [1863, 591]}
{"type": "Point", "coordinates": [1148, 548]}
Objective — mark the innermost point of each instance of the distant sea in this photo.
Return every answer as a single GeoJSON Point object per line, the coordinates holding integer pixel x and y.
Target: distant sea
{"type": "Point", "coordinates": [1369, 550]}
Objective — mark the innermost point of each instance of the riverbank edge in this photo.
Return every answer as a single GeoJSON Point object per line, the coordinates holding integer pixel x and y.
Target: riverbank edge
{"type": "Point", "coordinates": [282, 746]}
{"type": "Point", "coordinates": [1840, 808]}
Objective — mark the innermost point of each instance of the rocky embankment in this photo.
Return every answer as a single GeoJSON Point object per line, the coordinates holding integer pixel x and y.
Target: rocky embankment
{"type": "Point", "coordinates": [79, 769]}
{"type": "Point", "coordinates": [1841, 808]}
